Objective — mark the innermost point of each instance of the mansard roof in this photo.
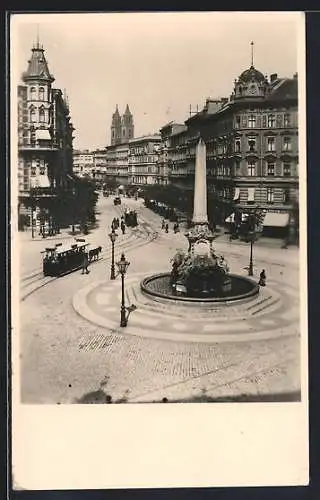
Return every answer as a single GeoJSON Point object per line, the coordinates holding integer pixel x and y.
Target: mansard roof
{"type": "Point", "coordinates": [37, 66]}
{"type": "Point", "coordinates": [284, 89]}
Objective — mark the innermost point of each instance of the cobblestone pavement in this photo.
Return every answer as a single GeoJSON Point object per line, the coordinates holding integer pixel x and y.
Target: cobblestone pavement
{"type": "Point", "coordinates": [66, 358]}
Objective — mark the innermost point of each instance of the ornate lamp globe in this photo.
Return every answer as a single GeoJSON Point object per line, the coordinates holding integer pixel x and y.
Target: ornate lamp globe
{"type": "Point", "coordinates": [123, 265]}
{"type": "Point", "coordinates": [113, 236]}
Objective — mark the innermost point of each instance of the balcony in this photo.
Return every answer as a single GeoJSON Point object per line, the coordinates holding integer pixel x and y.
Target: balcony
{"type": "Point", "coordinates": [38, 147]}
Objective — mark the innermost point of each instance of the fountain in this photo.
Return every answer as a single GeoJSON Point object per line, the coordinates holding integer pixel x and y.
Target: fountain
{"type": "Point", "coordinates": [199, 275]}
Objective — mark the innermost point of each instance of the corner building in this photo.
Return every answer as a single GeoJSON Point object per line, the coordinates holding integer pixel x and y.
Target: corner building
{"type": "Point", "coordinates": [45, 156]}
{"type": "Point", "coordinates": [252, 148]}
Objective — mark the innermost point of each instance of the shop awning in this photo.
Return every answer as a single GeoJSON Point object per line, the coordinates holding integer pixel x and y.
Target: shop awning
{"type": "Point", "coordinates": [250, 194]}
{"type": "Point", "coordinates": [236, 194]}
{"type": "Point", "coordinates": [43, 135]}
{"type": "Point", "coordinates": [230, 219]}
{"type": "Point", "coordinates": [276, 220]}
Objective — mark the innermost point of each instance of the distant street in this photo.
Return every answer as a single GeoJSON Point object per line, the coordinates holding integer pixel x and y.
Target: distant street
{"type": "Point", "coordinates": [68, 357]}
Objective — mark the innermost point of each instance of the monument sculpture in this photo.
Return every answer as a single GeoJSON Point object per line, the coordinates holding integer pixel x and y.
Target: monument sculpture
{"type": "Point", "coordinates": [198, 274]}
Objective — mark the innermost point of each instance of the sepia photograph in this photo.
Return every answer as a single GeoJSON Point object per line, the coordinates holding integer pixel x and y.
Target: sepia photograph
{"type": "Point", "coordinates": [158, 230]}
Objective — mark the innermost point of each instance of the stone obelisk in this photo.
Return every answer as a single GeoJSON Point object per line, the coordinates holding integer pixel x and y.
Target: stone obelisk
{"type": "Point", "coordinates": [200, 186]}
{"type": "Point", "coordinates": [200, 232]}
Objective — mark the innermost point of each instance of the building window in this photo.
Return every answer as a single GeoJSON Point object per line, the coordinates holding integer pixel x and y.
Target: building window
{"type": "Point", "coordinates": [251, 167]}
{"type": "Point", "coordinates": [270, 195]}
{"type": "Point", "coordinates": [33, 171]}
{"type": "Point", "coordinates": [42, 115]}
{"type": "Point", "coordinates": [286, 120]}
{"type": "Point", "coordinates": [287, 144]}
{"type": "Point", "coordinates": [271, 121]}
{"type": "Point", "coordinates": [252, 121]}
{"type": "Point", "coordinates": [237, 145]}
{"type": "Point", "coordinates": [238, 121]}
{"type": "Point", "coordinates": [286, 196]}
{"type": "Point", "coordinates": [33, 93]}
{"type": "Point", "coordinates": [41, 93]}
{"type": "Point", "coordinates": [251, 143]}
{"type": "Point", "coordinates": [33, 117]}
{"type": "Point", "coordinates": [270, 169]}
{"type": "Point", "coordinates": [286, 170]}
{"type": "Point", "coordinates": [42, 171]}
{"type": "Point", "coordinates": [271, 144]}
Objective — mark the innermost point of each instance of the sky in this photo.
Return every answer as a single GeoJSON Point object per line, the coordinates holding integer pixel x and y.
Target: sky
{"type": "Point", "coordinates": [158, 63]}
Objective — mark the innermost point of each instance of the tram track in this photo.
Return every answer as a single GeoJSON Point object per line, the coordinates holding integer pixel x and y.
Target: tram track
{"type": "Point", "coordinates": [29, 286]}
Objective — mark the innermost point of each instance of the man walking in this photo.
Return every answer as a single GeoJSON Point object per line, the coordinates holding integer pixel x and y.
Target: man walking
{"type": "Point", "coordinates": [85, 263]}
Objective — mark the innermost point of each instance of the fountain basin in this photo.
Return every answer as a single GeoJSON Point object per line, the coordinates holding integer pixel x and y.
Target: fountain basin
{"type": "Point", "coordinates": [158, 287]}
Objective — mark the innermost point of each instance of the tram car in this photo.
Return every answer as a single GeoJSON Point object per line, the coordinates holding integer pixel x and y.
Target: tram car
{"type": "Point", "coordinates": [130, 218]}
{"type": "Point", "coordinates": [62, 259]}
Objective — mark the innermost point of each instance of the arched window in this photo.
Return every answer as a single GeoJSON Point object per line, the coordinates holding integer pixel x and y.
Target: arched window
{"type": "Point", "coordinates": [33, 93]}
{"type": "Point", "coordinates": [41, 93]}
{"type": "Point", "coordinates": [42, 115]}
{"type": "Point", "coordinates": [33, 117]}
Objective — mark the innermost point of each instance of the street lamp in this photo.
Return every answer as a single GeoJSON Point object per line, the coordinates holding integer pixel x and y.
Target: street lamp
{"type": "Point", "coordinates": [73, 210]}
{"type": "Point", "coordinates": [252, 222]}
{"type": "Point", "coordinates": [113, 236]}
{"type": "Point", "coordinates": [250, 272]}
{"type": "Point", "coordinates": [123, 265]}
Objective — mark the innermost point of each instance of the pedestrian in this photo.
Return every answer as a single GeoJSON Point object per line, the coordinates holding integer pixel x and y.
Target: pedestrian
{"type": "Point", "coordinates": [263, 278]}
{"type": "Point", "coordinates": [123, 227]}
{"type": "Point", "coordinates": [167, 227]}
{"type": "Point", "coordinates": [85, 263]}
{"type": "Point", "coordinates": [163, 225]}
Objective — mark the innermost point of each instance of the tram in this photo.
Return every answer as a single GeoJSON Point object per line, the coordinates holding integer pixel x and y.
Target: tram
{"type": "Point", "coordinates": [62, 259]}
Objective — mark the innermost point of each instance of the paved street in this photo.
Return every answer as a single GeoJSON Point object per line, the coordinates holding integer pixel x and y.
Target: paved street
{"type": "Point", "coordinates": [73, 350]}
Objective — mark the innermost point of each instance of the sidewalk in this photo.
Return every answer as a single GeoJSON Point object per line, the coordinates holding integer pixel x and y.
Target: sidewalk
{"type": "Point", "coordinates": [64, 233]}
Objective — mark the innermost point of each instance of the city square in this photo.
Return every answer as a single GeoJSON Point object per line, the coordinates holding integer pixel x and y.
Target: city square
{"type": "Point", "coordinates": [163, 267]}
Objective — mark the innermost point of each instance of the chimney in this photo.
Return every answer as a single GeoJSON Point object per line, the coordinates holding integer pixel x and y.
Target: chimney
{"type": "Point", "coordinates": [273, 77]}
{"type": "Point", "coordinates": [295, 75]}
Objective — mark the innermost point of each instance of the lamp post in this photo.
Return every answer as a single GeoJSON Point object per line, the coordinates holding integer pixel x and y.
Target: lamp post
{"type": "Point", "coordinates": [123, 265]}
{"type": "Point", "coordinates": [73, 209]}
{"type": "Point", "coordinates": [250, 272]}
{"type": "Point", "coordinates": [113, 236]}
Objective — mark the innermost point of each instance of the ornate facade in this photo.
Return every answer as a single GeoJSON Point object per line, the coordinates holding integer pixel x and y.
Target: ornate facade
{"type": "Point", "coordinates": [252, 147]}
{"type": "Point", "coordinates": [44, 131]}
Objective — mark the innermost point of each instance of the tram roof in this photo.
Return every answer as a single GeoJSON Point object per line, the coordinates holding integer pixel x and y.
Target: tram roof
{"type": "Point", "coordinates": [65, 247]}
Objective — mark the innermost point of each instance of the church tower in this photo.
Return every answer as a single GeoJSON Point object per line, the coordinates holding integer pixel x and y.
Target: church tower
{"type": "Point", "coordinates": [116, 127]}
{"type": "Point", "coordinates": [127, 127]}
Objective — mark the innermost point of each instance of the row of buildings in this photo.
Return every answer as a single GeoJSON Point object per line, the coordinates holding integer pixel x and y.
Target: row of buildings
{"type": "Point", "coordinates": [251, 141]}
{"type": "Point", "coordinates": [134, 163]}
